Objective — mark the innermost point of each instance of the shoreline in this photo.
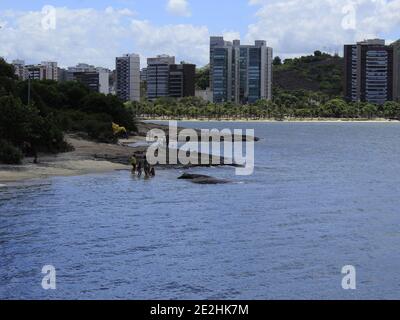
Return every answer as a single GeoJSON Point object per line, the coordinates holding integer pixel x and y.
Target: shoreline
{"type": "Point", "coordinates": [294, 120]}
{"type": "Point", "coordinates": [91, 157]}
{"type": "Point", "coordinates": [88, 157]}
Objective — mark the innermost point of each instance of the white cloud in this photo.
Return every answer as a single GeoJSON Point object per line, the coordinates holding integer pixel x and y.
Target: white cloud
{"type": "Point", "coordinates": [97, 37]}
{"type": "Point", "coordinates": [302, 26]}
{"type": "Point", "coordinates": [185, 41]}
{"type": "Point", "coordinates": [179, 8]}
{"type": "Point", "coordinates": [80, 35]}
{"type": "Point", "coordinates": [231, 35]}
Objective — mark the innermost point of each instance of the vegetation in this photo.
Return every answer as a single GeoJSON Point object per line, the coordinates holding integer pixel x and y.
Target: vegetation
{"type": "Point", "coordinates": [54, 108]}
{"type": "Point", "coordinates": [203, 78]}
{"type": "Point", "coordinates": [320, 72]}
{"type": "Point", "coordinates": [9, 154]}
{"type": "Point", "coordinates": [305, 87]}
{"type": "Point", "coordinates": [296, 104]}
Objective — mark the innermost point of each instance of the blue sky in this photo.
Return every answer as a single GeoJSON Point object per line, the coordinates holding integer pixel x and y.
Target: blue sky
{"type": "Point", "coordinates": [95, 31]}
{"type": "Point", "coordinates": [236, 16]}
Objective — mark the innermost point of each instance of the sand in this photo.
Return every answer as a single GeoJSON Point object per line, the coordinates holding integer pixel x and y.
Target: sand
{"type": "Point", "coordinates": [88, 157]}
{"type": "Point", "coordinates": [325, 120]}
{"type": "Point", "coordinates": [59, 168]}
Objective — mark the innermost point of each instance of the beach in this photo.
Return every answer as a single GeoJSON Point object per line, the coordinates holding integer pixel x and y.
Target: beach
{"type": "Point", "coordinates": [87, 157]}
{"type": "Point", "coordinates": [94, 157]}
{"type": "Point", "coordinates": [295, 120]}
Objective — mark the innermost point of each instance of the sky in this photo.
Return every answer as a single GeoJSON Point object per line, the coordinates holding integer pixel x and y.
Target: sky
{"type": "Point", "coordinates": [97, 31]}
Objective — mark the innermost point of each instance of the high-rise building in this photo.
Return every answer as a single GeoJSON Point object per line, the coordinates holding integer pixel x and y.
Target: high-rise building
{"type": "Point", "coordinates": [164, 78]}
{"type": "Point", "coordinates": [43, 71]}
{"type": "Point", "coordinates": [240, 73]}
{"type": "Point", "coordinates": [215, 42]}
{"type": "Point", "coordinates": [158, 76]}
{"type": "Point", "coordinates": [396, 70]}
{"type": "Point", "coordinates": [36, 72]}
{"type": "Point", "coordinates": [20, 70]}
{"type": "Point", "coordinates": [182, 80]}
{"type": "Point", "coordinates": [96, 79]}
{"type": "Point", "coordinates": [143, 75]}
{"type": "Point", "coordinates": [369, 71]}
{"type": "Point", "coordinates": [62, 75]}
{"type": "Point", "coordinates": [82, 67]}
{"type": "Point", "coordinates": [51, 70]}
{"type": "Point", "coordinates": [89, 79]}
{"type": "Point", "coordinates": [128, 77]}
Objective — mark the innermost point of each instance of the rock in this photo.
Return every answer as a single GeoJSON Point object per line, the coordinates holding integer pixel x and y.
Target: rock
{"type": "Point", "coordinates": [202, 179]}
{"type": "Point", "coordinates": [188, 176]}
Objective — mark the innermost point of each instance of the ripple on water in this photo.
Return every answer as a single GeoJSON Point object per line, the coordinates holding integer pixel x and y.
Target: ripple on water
{"type": "Point", "coordinates": [313, 205]}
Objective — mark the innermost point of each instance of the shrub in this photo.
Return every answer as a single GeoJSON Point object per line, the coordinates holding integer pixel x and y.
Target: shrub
{"type": "Point", "coordinates": [9, 154]}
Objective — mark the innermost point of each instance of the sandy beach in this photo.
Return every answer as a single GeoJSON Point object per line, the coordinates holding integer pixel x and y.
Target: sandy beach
{"type": "Point", "coordinates": [305, 120]}
{"type": "Point", "coordinates": [93, 157]}
{"type": "Point", "coordinates": [88, 157]}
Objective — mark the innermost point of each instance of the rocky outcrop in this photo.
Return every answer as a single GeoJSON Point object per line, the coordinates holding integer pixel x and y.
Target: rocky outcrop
{"type": "Point", "coordinates": [202, 179]}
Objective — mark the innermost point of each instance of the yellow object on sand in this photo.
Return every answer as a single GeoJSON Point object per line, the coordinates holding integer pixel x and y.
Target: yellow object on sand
{"type": "Point", "coordinates": [117, 129]}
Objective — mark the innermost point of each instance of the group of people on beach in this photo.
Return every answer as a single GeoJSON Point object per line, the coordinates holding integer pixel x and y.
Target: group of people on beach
{"type": "Point", "coordinates": [142, 165]}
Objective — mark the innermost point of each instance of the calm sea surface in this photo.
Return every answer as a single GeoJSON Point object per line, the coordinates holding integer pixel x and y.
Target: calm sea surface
{"type": "Point", "coordinates": [323, 195]}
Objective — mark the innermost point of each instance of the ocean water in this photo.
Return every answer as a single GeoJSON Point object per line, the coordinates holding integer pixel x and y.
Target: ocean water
{"type": "Point", "coordinates": [322, 196]}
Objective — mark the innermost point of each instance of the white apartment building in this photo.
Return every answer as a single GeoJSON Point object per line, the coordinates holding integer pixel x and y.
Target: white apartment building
{"type": "Point", "coordinates": [128, 77]}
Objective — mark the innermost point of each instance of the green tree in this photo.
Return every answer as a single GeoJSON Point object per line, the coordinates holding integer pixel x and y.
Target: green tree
{"type": "Point", "coordinates": [391, 110]}
{"type": "Point", "coordinates": [334, 108]}
{"type": "Point", "coordinates": [277, 61]}
{"type": "Point", "coordinates": [203, 78]}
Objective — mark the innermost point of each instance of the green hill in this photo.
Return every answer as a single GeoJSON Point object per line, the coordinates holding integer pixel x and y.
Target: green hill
{"type": "Point", "coordinates": [320, 72]}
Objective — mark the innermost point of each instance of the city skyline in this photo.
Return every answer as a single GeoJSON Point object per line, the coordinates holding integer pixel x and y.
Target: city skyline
{"type": "Point", "coordinates": [103, 30]}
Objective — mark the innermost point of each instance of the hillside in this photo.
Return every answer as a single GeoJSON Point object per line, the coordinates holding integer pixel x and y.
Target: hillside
{"type": "Point", "coordinates": [320, 72]}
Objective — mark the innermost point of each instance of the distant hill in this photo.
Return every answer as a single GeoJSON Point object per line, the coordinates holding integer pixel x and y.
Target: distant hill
{"type": "Point", "coordinates": [320, 73]}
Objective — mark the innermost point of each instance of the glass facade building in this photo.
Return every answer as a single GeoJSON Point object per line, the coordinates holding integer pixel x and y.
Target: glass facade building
{"type": "Point", "coordinates": [369, 71]}
{"type": "Point", "coordinates": [240, 73]}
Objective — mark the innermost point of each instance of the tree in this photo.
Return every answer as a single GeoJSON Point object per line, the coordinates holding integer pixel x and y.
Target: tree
{"type": "Point", "coordinates": [110, 105]}
{"type": "Point", "coordinates": [391, 110]}
{"type": "Point", "coordinates": [368, 110]}
{"type": "Point", "coordinates": [16, 121]}
{"type": "Point", "coordinates": [277, 61]}
{"type": "Point", "coordinates": [334, 108]}
{"type": "Point", "coordinates": [6, 70]}
{"type": "Point", "coordinates": [317, 53]}
{"type": "Point", "coordinates": [203, 78]}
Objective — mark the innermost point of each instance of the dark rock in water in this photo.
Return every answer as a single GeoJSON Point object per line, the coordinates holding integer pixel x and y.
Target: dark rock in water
{"type": "Point", "coordinates": [188, 176]}
{"type": "Point", "coordinates": [202, 179]}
